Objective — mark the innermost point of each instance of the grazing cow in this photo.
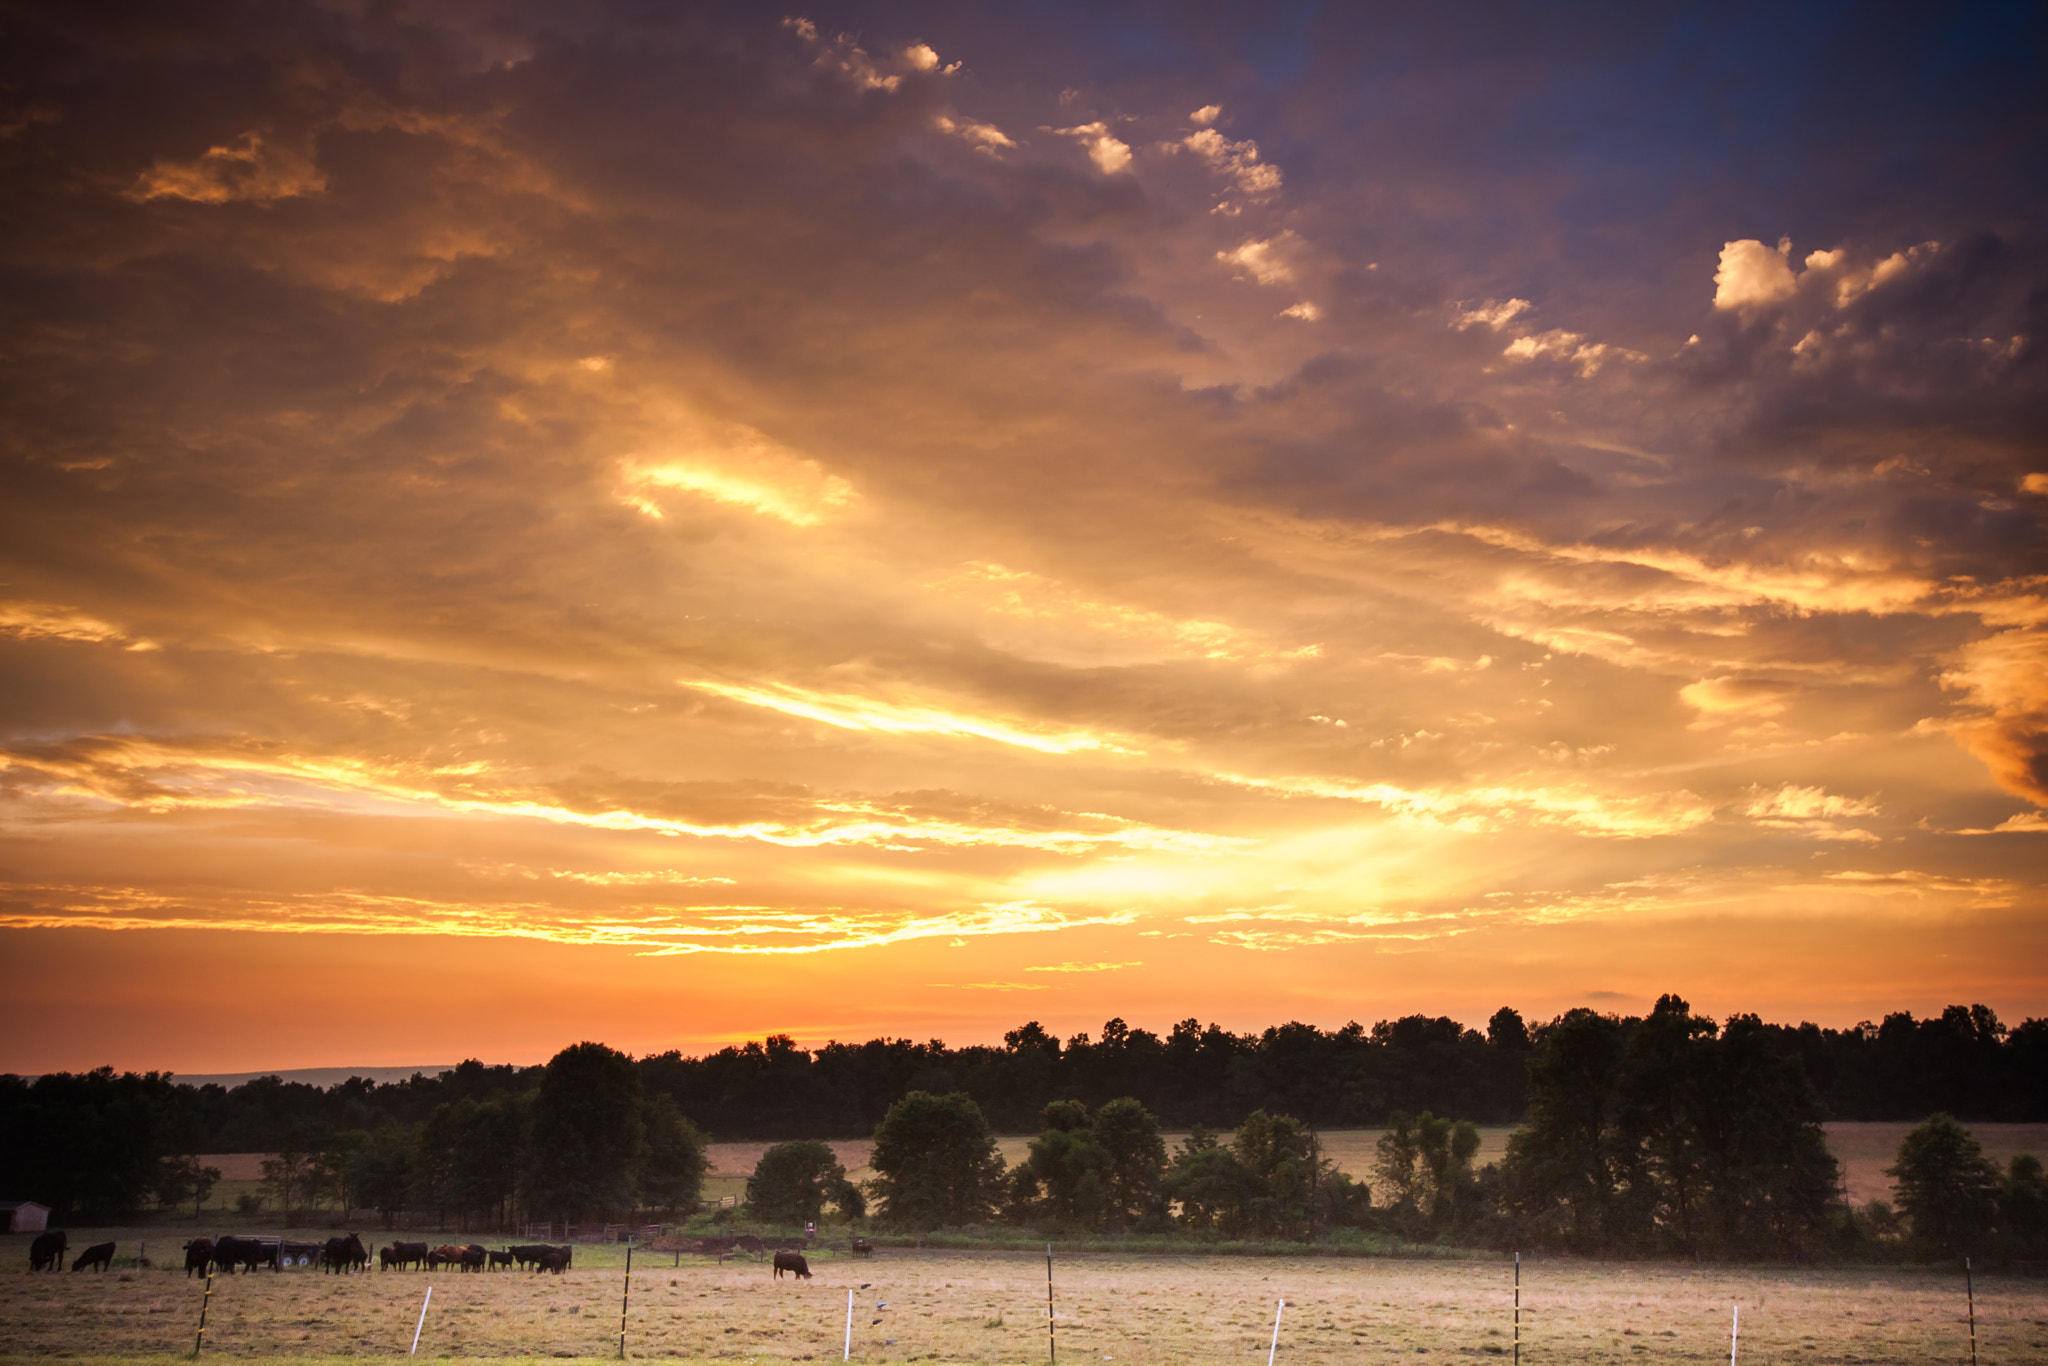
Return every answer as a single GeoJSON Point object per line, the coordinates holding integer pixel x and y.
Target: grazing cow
{"type": "Point", "coordinates": [863, 1247]}
{"type": "Point", "coordinates": [523, 1253]}
{"type": "Point", "coordinates": [473, 1257]}
{"type": "Point", "coordinates": [47, 1251]}
{"type": "Point", "coordinates": [499, 1259]}
{"type": "Point", "coordinates": [198, 1257]}
{"type": "Point", "coordinates": [411, 1254]}
{"type": "Point", "coordinates": [100, 1255]}
{"type": "Point", "coordinates": [555, 1259]}
{"type": "Point", "coordinates": [387, 1257]}
{"type": "Point", "coordinates": [792, 1262]}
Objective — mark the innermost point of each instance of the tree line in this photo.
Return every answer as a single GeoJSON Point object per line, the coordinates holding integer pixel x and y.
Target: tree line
{"type": "Point", "coordinates": [1962, 1061]}
{"type": "Point", "coordinates": [1668, 1133]}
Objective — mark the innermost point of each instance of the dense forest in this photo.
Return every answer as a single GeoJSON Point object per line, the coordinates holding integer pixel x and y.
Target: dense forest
{"type": "Point", "coordinates": [1664, 1133]}
{"type": "Point", "coordinates": [1962, 1061]}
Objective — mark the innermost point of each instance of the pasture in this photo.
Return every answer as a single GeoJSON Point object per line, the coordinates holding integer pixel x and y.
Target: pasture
{"type": "Point", "coordinates": [1863, 1149]}
{"type": "Point", "coordinates": [990, 1307]}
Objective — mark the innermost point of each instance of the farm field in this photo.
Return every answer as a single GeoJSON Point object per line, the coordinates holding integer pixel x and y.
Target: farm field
{"type": "Point", "coordinates": [1353, 1150]}
{"type": "Point", "coordinates": [989, 1307]}
{"type": "Point", "coordinates": [1863, 1149]}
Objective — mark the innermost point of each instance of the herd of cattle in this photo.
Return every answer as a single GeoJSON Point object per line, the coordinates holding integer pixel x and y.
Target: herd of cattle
{"type": "Point", "coordinates": [228, 1254]}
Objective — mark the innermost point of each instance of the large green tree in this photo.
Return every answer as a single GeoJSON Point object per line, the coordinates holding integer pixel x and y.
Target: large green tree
{"type": "Point", "coordinates": [1945, 1186]}
{"type": "Point", "coordinates": [1068, 1166]}
{"type": "Point", "coordinates": [1424, 1168]}
{"type": "Point", "coordinates": [1134, 1162]}
{"type": "Point", "coordinates": [589, 1134]}
{"type": "Point", "coordinates": [793, 1182]}
{"type": "Point", "coordinates": [1670, 1134]}
{"type": "Point", "coordinates": [935, 1163]}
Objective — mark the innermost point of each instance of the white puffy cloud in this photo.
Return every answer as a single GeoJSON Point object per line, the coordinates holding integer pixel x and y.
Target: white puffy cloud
{"type": "Point", "coordinates": [1752, 273]}
{"type": "Point", "coordinates": [1109, 154]}
{"type": "Point", "coordinates": [1263, 260]}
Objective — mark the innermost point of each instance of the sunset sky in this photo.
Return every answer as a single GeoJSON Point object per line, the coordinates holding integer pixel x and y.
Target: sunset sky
{"type": "Point", "coordinates": [663, 523]}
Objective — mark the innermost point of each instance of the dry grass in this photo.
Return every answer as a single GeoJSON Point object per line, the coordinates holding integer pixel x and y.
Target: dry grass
{"type": "Point", "coordinates": [989, 1307]}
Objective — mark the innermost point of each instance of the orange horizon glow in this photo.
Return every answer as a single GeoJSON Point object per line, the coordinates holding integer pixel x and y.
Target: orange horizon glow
{"type": "Point", "coordinates": [527, 531]}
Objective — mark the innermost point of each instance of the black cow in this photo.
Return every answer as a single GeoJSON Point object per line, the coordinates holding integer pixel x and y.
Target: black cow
{"type": "Point", "coordinates": [498, 1259]}
{"type": "Point", "coordinates": [230, 1252]}
{"type": "Point", "coordinates": [862, 1247]}
{"type": "Point", "coordinates": [100, 1255]}
{"type": "Point", "coordinates": [473, 1257]}
{"type": "Point", "coordinates": [409, 1254]}
{"type": "Point", "coordinates": [792, 1262]}
{"type": "Point", "coordinates": [198, 1256]}
{"type": "Point", "coordinates": [343, 1255]}
{"type": "Point", "coordinates": [555, 1259]}
{"type": "Point", "coordinates": [47, 1251]}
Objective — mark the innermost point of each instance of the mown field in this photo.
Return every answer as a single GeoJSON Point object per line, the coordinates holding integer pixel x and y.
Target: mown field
{"type": "Point", "coordinates": [990, 1307]}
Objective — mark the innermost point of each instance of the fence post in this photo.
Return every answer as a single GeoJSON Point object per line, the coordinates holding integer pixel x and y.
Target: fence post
{"type": "Point", "coordinates": [1052, 1346]}
{"type": "Point", "coordinates": [1970, 1289]}
{"type": "Point", "coordinates": [1734, 1333]}
{"type": "Point", "coordinates": [423, 1320]}
{"type": "Point", "coordinates": [204, 1300]}
{"type": "Point", "coordinates": [847, 1354]}
{"type": "Point", "coordinates": [625, 1297]}
{"type": "Point", "coordinates": [1518, 1309]}
{"type": "Point", "coordinates": [1276, 1331]}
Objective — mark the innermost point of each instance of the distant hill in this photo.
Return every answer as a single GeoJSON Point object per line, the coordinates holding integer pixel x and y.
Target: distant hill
{"type": "Point", "coordinates": [314, 1076]}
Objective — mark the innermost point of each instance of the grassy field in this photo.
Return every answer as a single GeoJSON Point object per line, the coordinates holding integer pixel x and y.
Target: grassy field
{"type": "Point", "coordinates": [990, 1307]}
{"type": "Point", "coordinates": [1864, 1151]}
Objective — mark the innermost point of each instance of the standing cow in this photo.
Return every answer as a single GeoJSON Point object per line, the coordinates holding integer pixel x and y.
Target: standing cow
{"type": "Point", "coordinates": [198, 1257]}
{"type": "Point", "coordinates": [46, 1253]}
{"type": "Point", "coordinates": [792, 1262]}
{"type": "Point", "coordinates": [343, 1255]}
{"type": "Point", "coordinates": [230, 1252]}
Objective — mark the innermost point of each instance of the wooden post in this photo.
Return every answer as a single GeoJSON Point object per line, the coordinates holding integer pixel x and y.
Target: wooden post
{"type": "Point", "coordinates": [1970, 1289]}
{"type": "Point", "coordinates": [1518, 1309]}
{"type": "Point", "coordinates": [625, 1298]}
{"type": "Point", "coordinates": [204, 1300]}
{"type": "Point", "coordinates": [1052, 1346]}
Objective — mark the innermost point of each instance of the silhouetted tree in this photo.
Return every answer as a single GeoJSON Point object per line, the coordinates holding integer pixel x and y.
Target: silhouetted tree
{"type": "Point", "coordinates": [935, 1163]}
{"type": "Point", "coordinates": [793, 1182]}
{"type": "Point", "coordinates": [672, 1178]}
{"type": "Point", "coordinates": [589, 1137]}
{"type": "Point", "coordinates": [1944, 1186]}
